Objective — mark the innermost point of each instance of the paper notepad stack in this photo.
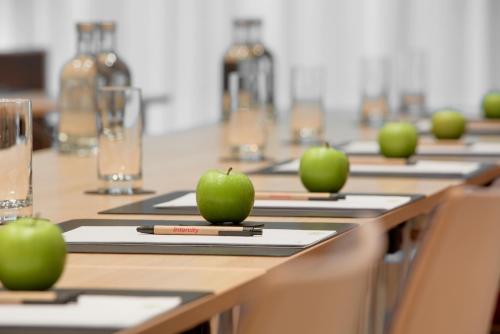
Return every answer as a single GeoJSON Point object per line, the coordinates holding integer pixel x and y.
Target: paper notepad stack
{"type": "Point", "coordinates": [89, 311]}
{"type": "Point", "coordinates": [469, 149]}
{"type": "Point", "coordinates": [367, 202]}
{"type": "Point", "coordinates": [421, 167]}
{"type": "Point", "coordinates": [127, 235]}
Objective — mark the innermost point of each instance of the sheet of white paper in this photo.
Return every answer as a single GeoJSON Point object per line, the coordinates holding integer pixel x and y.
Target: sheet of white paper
{"type": "Point", "coordinates": [361, 147]}
{"type": "Point", "coordinates": [350, 202]}
{"type": "Point", "coordinates": [89, 311]}
{"type": "Point", "coordinates": [129, 235]}
{"type": "Point", "coordinates": [421, 167]}
{"type": "Point", "coordinates": [486, 147]}
{"type": "Point", "coordinates": [292, 166]}
{"type": "Point", "coordinates": [477, 148]}
{"type": "Point", "coordinates": [424, 125]}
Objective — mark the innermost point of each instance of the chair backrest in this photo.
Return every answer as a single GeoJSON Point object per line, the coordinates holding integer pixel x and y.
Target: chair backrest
{"type": "Point", "coordinates": [495, 184]}
{"type": "Point", "coordinates": [327, 288]}
{"type": "Point", "coordinates": [22, 70]}
{"type": "Point", "coordinates": [454, 279]}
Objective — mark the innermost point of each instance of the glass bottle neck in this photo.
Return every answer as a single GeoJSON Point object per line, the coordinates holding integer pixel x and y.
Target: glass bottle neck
{"type": "Point", "coordinates": [85, 43]}
{"type": "Point", "coordinates": [247, 34]}
{"type": "Point", "coordinates": [107, 43]}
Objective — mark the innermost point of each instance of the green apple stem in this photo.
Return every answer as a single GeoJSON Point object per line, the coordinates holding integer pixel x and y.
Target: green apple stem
{"type": "Point", "coordinates": [327, 144]}
{"type": "Point", "coordinates": [229, 170]}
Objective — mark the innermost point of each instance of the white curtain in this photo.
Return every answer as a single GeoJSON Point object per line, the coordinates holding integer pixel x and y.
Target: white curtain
{"type": "Point", "coordinates": [175, 47]}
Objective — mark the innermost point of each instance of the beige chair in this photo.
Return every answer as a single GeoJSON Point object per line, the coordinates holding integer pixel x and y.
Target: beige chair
{"type": "Point", "coordinates": [453, 282]}
{"type": "Point", "coordinates": [495, 184]}
{"type": "Point", "coordinates": [496, 321]}
{"type": "Point", "coordinates": [324, 291]}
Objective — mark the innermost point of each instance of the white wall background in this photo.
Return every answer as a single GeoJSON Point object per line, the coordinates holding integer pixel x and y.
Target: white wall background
{"type": "Point", "coordinates": [175, 47]}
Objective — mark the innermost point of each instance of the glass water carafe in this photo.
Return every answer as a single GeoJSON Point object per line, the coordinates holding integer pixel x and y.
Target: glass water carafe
{"type": "Point", "coordinates": [112, 70]}
{"type": "Point", "coordinates": [77, 97]}
{"type": "Point", "coordinates": [248, 52]}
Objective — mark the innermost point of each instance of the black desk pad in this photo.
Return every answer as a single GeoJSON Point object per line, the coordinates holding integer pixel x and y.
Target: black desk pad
{"type": "Point", "coordinates": [186, 297]}
{"type": "Point", "coordinates": [146, 207]}
{"type": "Point", "coordinates": [484, 167]}
{"type": "Point", "coordinates": [196, 250]}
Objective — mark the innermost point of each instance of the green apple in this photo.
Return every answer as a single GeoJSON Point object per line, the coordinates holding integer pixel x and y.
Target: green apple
{"type": "Point", "coordinates": [224, 196]}
{"type": "Point", "coordinates": [32, 254]}
{"type": "Point", "coordinates": [323, 169]}
{"type": "Point", "coordinates": [398, 140]}
{"type": "Point", "coordinates": [448, 124]}
{"type": "Point", "coordinates": [491, 104]}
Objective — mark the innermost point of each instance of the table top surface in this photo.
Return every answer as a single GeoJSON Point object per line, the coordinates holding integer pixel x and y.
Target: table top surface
{"type": "Point", "coordinates": [175, 162]}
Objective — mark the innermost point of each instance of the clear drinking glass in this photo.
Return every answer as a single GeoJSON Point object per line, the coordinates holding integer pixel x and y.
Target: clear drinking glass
{"type": "Point", "coordinates": [375, 91]}
{"type": "Point", "coordinates": [120, 128]}
{"type": "Point", "coordinates": [247, 135]}
{"type": "Point", "coordinates": [411, 76]}
{"type": "Point", "coordinates": [307, 119]}
{"type": "Point", "coordinates": [16, 144]}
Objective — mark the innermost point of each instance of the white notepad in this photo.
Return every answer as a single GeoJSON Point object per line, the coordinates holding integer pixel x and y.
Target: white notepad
{"type": "Point", "coordinates": [420, 167]}
{"type": "Point", "coordinates": [89, 311]}
{"type": "Point", "coordinates": [129, 235]}
{"type": "Point", "coordinates": [475, 148]}
{"type": "Point", "coordinates": [371, 202]}
{"type": "Point", "coordinates": [424, 125]}
{"type": "Point", "coordinates": [361, 147]}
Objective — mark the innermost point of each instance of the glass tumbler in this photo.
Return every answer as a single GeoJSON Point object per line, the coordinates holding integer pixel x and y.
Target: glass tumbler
{"type": "Point", "coordinates": [16, 143]}
{"type": "Point", "coordinates": [375, 91]}
{"type": "Point", "coordinates": [247, 125]}
{"type": "Point", "coordinates": [307, 117]}
{"type": "Point", "coordinates": [120, 129]}
{"type": "Point", "coordinates": [412, 78]}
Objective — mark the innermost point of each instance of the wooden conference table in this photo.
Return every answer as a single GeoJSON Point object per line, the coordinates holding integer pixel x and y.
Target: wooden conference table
{"type": "Point", "coordinates": [175, 162]}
